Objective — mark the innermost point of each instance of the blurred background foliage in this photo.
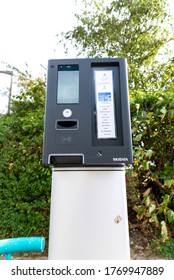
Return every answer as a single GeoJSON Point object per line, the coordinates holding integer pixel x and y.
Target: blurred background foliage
{"type": "Point", "coordinates": [24, 181]}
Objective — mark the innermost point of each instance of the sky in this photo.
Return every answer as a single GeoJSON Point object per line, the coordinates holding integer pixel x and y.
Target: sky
{"type": "Point", "coordinates": [28, 31]}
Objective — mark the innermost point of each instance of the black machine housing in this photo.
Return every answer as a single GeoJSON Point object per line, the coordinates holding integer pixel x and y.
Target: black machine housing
{"type": "Point", "coordinates": [77, 129]}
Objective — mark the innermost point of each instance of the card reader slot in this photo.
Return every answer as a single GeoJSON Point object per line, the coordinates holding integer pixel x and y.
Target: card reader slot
{"type": "Point", "coordinates": [66, 124]}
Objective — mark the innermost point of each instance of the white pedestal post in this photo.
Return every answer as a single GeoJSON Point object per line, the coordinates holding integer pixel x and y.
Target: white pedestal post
{"type": "Point", "coordinates": [89, 214]}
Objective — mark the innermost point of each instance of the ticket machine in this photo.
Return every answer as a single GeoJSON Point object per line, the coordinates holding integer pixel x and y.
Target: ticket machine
{"type": "Point", "coordinates": [87, 140]}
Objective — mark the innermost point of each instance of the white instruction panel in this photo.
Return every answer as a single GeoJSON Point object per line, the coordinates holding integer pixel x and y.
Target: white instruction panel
{"type": "Point", "coordinates": [104, 95]}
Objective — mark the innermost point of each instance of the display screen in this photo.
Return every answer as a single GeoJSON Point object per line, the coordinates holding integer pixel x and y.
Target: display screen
{"type": "Point", "coordinates": [68, 84]}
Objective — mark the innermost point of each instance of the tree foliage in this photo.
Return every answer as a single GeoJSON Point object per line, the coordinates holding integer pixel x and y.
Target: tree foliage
{"type": "Point", "coordinates": [25, 183]}
{"type": "Point", "coordinates": [135, 29]}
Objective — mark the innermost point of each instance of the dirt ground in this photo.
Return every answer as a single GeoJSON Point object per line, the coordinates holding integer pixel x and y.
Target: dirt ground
{"type": "Point", "coordinates": [140, 246]}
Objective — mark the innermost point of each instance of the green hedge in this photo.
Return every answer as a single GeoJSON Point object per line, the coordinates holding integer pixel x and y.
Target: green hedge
{"type": "Point", "coordinates": [152, 117]}
{"type": "Point", "coordinates": [24, 182]}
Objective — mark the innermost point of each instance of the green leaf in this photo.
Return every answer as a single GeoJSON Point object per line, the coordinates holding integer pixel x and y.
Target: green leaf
{"type": "Point", "coordinates": [166, 199]}
{"type": "Point", "coordinates": [171, 113]}
{"type": "Point", "coordinates": [154, 218]}
{"type": "Point", "coordinates": [152, 208]}
{"type": "Point", "coordinates": [147, 200]}
{"type": "Point", "coordinates": [164, 231]}
{"type": "Point", "coordinates": [163, 111]}
{"type": "Point", "coordinates": [149, 153]}
{"type": "Point", "coordinates": [168, 183]}
{"type": "Point", "coordinates": [170, 216]}
{"type": "Point", "coordinates": [138, 137]}
{"type": "Point", "coordinates": [147, 165]}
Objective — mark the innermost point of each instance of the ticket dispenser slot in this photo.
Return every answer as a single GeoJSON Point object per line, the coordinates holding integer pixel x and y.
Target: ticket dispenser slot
{"type": "Point", "coordinates": [66, 124]}
{"type": "Point", "coordinates": [66, 160]}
